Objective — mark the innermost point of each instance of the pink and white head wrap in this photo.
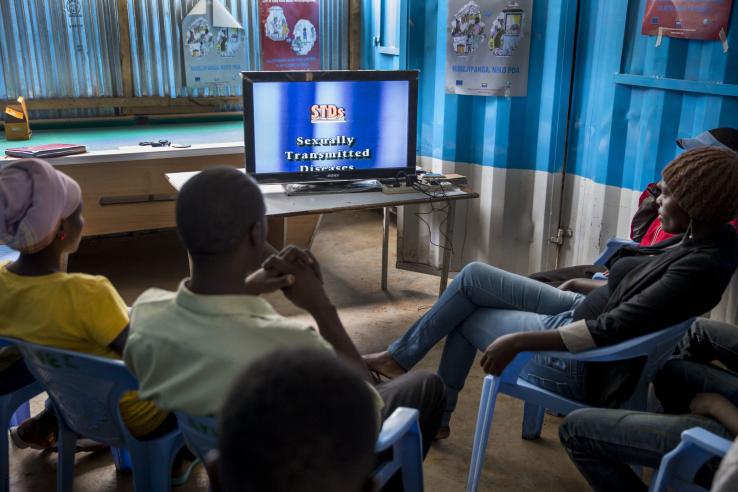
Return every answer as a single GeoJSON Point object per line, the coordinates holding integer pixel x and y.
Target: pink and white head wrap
{"type": "Point", "coordinates": [34, 198]}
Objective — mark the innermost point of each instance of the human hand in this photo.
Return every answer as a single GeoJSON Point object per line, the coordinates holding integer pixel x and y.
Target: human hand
{"type": "Point", "coordinates": [567, 285]}
{"type": "Point", "coordinates": [499, 354]}
{"type": "Point", "coordinates": [264, 281]}
{"type": "Point", "coordinates": [307, 291]}
{"type": "Point", "coordinates": [293, 254]}
{"type": "Point", "coordinates": [708, 404]}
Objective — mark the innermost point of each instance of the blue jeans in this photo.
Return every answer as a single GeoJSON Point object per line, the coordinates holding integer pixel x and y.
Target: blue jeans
{"type": "Point", "coordinates": [605, 443]}
{"type": "Point", "coordinates": [482, 304]}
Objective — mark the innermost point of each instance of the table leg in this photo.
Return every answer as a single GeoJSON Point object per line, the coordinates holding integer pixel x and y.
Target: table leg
{"type": "Point", "coordinates": [385, 246]}
{"type": "Point", "coordinates": [447, 243]}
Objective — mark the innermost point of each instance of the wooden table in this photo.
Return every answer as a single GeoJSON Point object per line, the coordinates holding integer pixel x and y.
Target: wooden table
{"type": "Point", "coordinates": [279, 205]}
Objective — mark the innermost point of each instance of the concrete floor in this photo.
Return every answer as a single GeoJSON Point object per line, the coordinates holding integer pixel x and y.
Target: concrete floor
{"type": "Point", "coordinates": [349, 248]}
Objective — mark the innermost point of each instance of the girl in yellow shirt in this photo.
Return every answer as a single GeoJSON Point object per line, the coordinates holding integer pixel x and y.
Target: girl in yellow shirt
{"type": "Point", "coordinates": [41, 216]}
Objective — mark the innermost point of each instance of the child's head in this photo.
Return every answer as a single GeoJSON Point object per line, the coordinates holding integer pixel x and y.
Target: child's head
{"type": "Point", "coordinates": [40, 208]}
{"type": "Point", "coordinates": [297, 420]}
{"type": "Point", "coordinates": [220, 214]}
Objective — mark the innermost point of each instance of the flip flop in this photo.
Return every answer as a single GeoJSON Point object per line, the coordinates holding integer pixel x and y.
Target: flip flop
{"type": "Point", "coordinates": [379, 377]}
{"type": "Point", "coordinates": [185, 476]}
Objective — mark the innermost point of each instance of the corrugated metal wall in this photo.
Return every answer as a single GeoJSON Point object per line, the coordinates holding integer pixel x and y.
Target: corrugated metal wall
{"type": "Point", "coordinates": [49, 49]}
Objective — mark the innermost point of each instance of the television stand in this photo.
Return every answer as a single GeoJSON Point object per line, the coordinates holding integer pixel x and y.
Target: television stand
{"type": "Point", "coordinates": [329, 187]}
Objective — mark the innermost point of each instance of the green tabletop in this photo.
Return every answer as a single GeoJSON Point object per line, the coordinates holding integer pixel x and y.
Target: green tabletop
{"type": "Point", "coordinates": [109, 134]}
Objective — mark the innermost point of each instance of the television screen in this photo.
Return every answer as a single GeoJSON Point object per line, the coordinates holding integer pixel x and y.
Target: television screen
{"type": "Point", "coordinates": [329, 125]}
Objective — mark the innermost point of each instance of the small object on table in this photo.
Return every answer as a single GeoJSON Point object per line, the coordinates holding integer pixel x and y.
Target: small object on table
{"type": "Point", "coordinates": [16, 121]}
{"type": "Point", "coordinates": [181, 146]}
{"type": "Point", "coordinates": [157, 143]}
{"type": "Point", "coordinates": [44, 151]}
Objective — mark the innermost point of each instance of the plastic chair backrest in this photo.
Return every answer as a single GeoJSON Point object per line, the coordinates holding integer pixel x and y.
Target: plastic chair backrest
{"type": "Point", "coordinates": [612, 247]}
{"type": "Point", "coordinates": [86, 390]}
{"type": "Point", "coordinates": [200, 433]}
{"type": "Point", "coordinates": [679, 466]}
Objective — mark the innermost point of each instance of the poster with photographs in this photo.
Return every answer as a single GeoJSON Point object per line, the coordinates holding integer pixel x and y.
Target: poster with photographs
{"type": "Point", "coordinates": [488, 47]}
{"type": "Point", "coordinates": [214, 48]}
{"type": "Point", "coordinates": [289, 34]}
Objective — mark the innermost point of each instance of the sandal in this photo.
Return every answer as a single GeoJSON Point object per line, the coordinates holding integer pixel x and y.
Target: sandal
{"type": "Point", "coordinates": [182, 478]}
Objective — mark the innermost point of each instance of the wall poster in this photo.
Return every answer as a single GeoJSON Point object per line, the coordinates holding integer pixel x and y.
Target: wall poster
{"type": "Point", "coordinates": [214, 48]}
{"type": "Point", "coordinates": [488, 46]}
{"type": "Point", "coordinates": [289, 34]}
{"type": "Point", "coordinates": [690, 19]}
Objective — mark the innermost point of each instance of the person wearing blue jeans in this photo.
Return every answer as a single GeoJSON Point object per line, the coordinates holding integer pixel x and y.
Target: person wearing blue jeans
{"type": "Point", "coordinates": [503, 314]}
{"type": "Point", "coordinates": [605, 443]}
{"type": "Point", "coordinates": [482, 304]}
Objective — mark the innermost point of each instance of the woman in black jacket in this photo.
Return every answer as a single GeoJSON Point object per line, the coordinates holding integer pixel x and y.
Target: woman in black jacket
{"type": "Point", "coordinates": [503, 314]}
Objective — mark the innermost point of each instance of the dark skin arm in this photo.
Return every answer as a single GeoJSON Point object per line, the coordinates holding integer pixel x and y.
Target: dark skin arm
{"type": "Point", "coordinates": [307, 292]}
{"type": "Point", "coordinates": [718, 407]}
{"type": "Point", "coordinates": [502, 351]}
{"type": "Point", "coordinates": [582, 285]}
{"type": "Point", "coordinates": [119, 343]}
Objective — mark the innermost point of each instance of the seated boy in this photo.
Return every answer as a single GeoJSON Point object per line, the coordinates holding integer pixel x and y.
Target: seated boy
{"type": "Point", "coordinates": [284, 433]}
{"type": "Point", "coordinates": [187, 347]}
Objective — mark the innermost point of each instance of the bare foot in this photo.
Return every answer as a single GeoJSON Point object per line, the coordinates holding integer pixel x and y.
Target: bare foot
{"type": "Point", "coordinates": [384, 364]}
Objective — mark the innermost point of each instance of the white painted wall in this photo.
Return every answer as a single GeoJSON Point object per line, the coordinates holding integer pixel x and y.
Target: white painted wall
{"type": "Point", "coordinates": [510, 224]}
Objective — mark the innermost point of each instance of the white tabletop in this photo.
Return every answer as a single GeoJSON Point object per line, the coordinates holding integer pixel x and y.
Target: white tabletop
{"type": "Point", "coordinates": [278, 204]}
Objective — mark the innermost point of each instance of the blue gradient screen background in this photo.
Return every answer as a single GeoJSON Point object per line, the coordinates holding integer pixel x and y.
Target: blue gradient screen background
{"type": "Point", "coordinates": [376, 116]}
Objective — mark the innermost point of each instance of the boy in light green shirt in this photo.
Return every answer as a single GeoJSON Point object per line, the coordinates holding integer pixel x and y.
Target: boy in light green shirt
{"type": "Point", "coordinates": [186, 348]}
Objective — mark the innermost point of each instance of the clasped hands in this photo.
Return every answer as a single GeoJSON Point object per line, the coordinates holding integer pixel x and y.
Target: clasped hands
{"type": "Point", "coordinates": [296, 272]}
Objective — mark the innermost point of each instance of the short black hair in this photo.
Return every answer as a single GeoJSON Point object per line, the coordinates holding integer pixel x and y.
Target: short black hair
{"type": "Point", "coordinates": [297, 420]}
{"type": "Point", "coordinates": [216, 209]}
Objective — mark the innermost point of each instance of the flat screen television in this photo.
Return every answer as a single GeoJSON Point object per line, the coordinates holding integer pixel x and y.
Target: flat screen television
{"type": "Point", "coordinates": [312, 126]}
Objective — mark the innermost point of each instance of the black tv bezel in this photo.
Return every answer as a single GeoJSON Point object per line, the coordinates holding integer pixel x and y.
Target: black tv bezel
{"type": "Point", "coordinates": [411, 76]}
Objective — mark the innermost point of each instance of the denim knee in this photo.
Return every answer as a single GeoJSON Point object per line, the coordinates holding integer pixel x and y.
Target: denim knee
{"type": "Point", "coordinates": [574, 423]}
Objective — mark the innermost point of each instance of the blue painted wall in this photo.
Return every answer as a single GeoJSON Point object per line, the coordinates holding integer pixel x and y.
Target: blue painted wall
{"type": "Point", "coordinates": [522, 133]}
{"type": "Point", "coordinates": [631, 99]}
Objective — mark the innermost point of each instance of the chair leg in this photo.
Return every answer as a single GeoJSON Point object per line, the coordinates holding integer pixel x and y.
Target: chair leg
{"type": "Point", "coordinates": [66, 447]}
{"type": "Point", "coordinates": [152, 463]}
{"type": "Point", "coordinates": [481, 434]}
{"type": "Point", "coordinates": [411, 451]}
{"type": "Point", "coordinates": [532, 421]}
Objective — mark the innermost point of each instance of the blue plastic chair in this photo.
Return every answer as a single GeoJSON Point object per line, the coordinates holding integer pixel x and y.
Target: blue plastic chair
{"type": "Point", "coordinates": [679, 466]}
{"type": "Point", "coordinates": [14, 409]}
{"type": "Point", "coordinates": [8, 254]}
{"type": "Point", "coordinates": [86, 391]}
{"type": "Point", "coordinates": [656, 347]}
{"type": "Point", "coordinates": [613, 246]}
{"type": "Point", "coordinates": [400, 432]}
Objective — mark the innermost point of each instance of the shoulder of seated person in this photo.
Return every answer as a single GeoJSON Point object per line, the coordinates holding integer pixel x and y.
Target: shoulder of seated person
{"type": "Point", "coordinates": [154, 295]}
{"type": "Point", "coordinates": [85, 281]}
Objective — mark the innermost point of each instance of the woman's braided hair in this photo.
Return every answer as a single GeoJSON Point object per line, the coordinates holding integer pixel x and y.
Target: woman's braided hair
{"type": "Point", "coordinates": [704, 182]}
